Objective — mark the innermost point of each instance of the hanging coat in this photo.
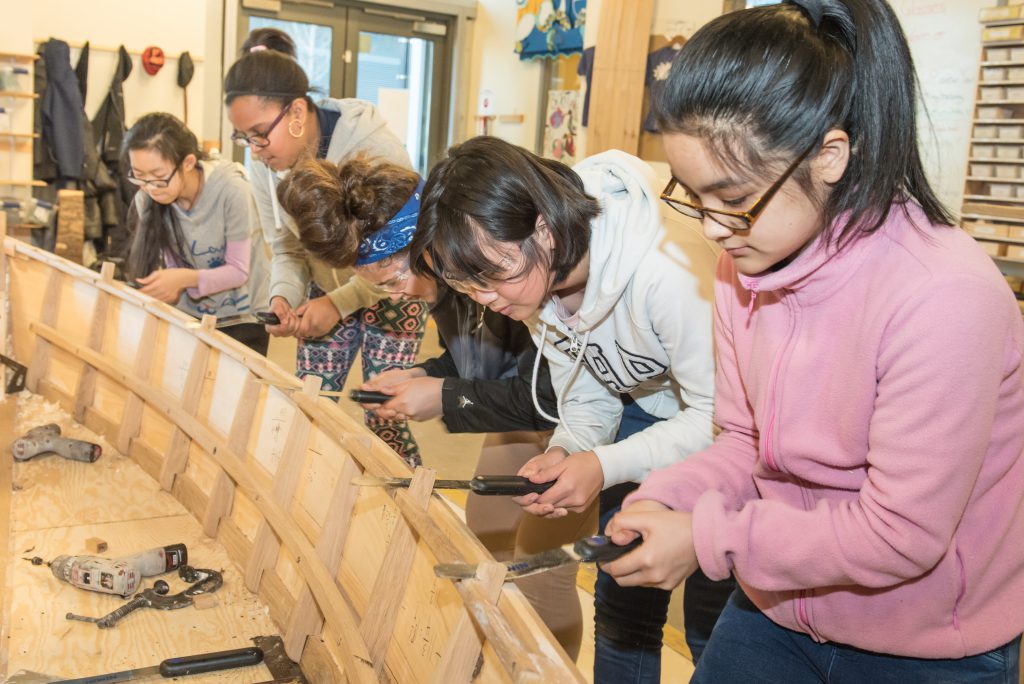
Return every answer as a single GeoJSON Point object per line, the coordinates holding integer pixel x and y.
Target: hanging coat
{"type": "Point", "coordinates": [108, 127]}
{"type": "Point", "coordinates": [59, 151]}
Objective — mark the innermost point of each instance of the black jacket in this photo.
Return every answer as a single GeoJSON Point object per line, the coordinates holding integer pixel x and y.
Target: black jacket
{"type": "Point", "coordinates": [487, 368]}
{"type": "Point", "coordinates": [59, 152]}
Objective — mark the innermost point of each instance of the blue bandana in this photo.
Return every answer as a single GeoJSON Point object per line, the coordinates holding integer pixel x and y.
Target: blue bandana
{"type": "Point", "coordinates": [396, 233]}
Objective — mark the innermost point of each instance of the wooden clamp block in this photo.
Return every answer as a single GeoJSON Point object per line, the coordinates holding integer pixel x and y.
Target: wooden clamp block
{"type": "Point", "coordinates": [95, 545]}
{"type": "Point", "coordinates": [204, 601]}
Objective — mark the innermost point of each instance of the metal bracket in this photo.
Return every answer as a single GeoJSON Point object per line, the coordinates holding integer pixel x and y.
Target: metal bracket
{"type": "Point", "coordinates": [17, 381]}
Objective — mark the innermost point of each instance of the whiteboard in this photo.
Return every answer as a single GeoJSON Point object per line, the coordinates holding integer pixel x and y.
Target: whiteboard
{"type": "Point", "coordinates": [945, 40]}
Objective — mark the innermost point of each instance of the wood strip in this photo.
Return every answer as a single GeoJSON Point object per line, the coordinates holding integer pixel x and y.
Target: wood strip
{"type": "Point", "coordinates": [305, 619]}
{"type": "Point", "coordinates": [222, 496]}
{"type": "Point", "coordinates": [132, 420]}
{"type": "Point", "coordinates": [356, 660]}
{"type": "Point", "coordinates": [48, 316]}
{"type": "Point", "coordinates": [465, 644]}
{"type": "Point", "coordinates": [286, 480]}
{"type": "Point", "coordinates": [8, 417]}
{"type": "Point", "coordinates": [391, 583]}
{"type": "Point", "coordinates": [3, 310]}
{"type": "Point", "coordinates": [177, 452]}
{"type": "Point", "coordinates": [85, 392]}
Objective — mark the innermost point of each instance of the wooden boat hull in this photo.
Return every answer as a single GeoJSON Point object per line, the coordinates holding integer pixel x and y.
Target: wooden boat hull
{"type": "Point", "coordinates": [263, 465]}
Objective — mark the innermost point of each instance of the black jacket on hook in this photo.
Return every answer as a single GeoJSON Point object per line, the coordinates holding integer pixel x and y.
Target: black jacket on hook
{"type": "Point", "coordinates": [59, 151]}
{"type": "Point", "coordinates": [108, 128]}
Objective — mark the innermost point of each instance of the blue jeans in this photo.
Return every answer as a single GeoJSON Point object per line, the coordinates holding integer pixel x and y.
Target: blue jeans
{"type": "Point", "coordinates": [748, 647]}
{"type": "Point", "coordinates": [628, 622]}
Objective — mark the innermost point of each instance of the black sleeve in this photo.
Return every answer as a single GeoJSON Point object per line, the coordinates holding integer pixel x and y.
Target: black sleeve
{"type": "Point", "coordinates": [503, 405]}
{"type": "Point", "coordinates": [439, 367]}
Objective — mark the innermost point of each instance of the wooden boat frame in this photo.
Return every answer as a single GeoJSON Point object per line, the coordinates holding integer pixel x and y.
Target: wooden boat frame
{"type": "Point", "coordinates": [265, 464]}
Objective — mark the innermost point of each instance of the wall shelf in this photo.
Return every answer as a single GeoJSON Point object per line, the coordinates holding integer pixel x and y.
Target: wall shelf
{"type": "Point", "coordinates": [999, 141]}
{"type": "Point", "coordinates": [979, 179]}
{"type": "Point", "coordinates": [18, 57]}
{"type": "Point", "coordinates": [990, 198]}
{"type": "Point", "coordinates": [17, 95]}
{"type": "Point", "coordinates": [1002, 64]}
{"type": "Point", "coordinates": [21, 183]}
{"type": "Point", "coordinates": [997, 122]}
{"type": "Point", "coordinates": [19, 136]}
{"type": "Point", "coordinates": [992, 217]}
{"type": "Point", "coordinates": [996, 160]}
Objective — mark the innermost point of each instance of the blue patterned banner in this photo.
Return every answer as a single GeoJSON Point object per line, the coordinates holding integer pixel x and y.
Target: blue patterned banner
{"type": "Point", "coordinates": [546, 29]}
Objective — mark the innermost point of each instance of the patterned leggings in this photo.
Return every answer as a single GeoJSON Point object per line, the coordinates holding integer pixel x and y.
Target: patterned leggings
{"type": "Point", "coordinates": [389, 333]}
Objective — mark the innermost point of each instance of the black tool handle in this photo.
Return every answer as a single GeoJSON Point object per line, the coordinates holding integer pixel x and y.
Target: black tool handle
{"type": "Point", "coordinates": [601, 549]}
{"type": "Point", "coordinates": [210, 662]}
{"type": "Point", "coordinates": [507, 485]}
{"type": "Point", "coordinates": [367, 397]}
{"type": "Point", "coordinates": [267, 318]}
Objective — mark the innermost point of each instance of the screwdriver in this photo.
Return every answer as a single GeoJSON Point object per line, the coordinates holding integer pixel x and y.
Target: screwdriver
{"type": "Point", "coordinates": [178, 667]}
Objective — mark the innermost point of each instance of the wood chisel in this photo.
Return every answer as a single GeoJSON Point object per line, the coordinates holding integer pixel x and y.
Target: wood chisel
{"type": "Point", "coordinates": [596, 549]}
{"type": "Point", "coordinates": [179, 667]}
{"type": "Point", "coordinates": [485, 485]}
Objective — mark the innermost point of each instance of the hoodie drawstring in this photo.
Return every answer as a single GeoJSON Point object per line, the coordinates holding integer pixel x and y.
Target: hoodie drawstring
{"type": "Point", "coordinates": [753, 298]}
{"type": "Point", "coordinates": [561, 395]}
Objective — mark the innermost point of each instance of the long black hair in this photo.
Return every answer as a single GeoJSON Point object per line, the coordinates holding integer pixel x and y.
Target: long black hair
{"type": "Point", "coordinates": [155, 229]}
{"type": "Point", "coordinates": [489, 186]}
{"type": "Point", "coordinates": [760, 85]}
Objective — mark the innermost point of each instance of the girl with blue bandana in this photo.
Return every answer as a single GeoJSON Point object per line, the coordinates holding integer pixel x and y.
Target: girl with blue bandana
{"type": "Point", "coordinates": [364, 214]}
{"type": "Point", "coordinates": [333, 315]}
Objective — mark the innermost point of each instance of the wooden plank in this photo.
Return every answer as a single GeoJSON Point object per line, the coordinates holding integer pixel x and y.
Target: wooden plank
{"type": "Point", "coordinates": [616, 100]}
{"type": "Point", "coordinates": [3, 309]}
{"type": "Point", "coordinates": [389, 588]}
{"type": "Point", "coordinates": [85, 393]}
{"type": "Point", "coordinates": [339, 616]}
{"type": "Point", "coordinates": [286, 479]}
{"type": "Point", "coordinates": [132, 420]}
{"type": "Point", "coordinates": [8, 409]}
{"type": "Point", "coordinates": [223, 494]}
{"type": "Point", "coordinates": [177, 454]}
{"type": "Point", "coordinates": [70, 225]}
{"type": "Point", "coordinates": [465, 644]}
{"type": "Point", "coordinates": [48, 316]}
{"type": "Point", "coordinates": [305, 619]}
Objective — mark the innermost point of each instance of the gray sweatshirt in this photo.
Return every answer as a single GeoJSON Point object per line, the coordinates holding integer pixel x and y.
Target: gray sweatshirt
{"type": "Point", "coordinates": [361, 129]}
{"type": "Point", "coordinates": [224, 244]}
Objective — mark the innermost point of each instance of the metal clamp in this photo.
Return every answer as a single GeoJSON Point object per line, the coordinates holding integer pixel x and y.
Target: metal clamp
{"type": "Point", "coordinates": [203, 582]}
{"type": "Point", "coordinates": [17, 381]}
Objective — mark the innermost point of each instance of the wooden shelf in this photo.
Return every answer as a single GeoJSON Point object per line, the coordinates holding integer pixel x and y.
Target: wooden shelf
{"type": "Point", "coordinates": [992, 217]}
{"type": "Point", "coordinates": [18, 95]}
{"type": "Point", "coordinates": [990, 198]}
{"type": "Point", "coordinates": [22, 183]}
{"type": "Point", "coordinates": [980, 179]}
{"type": "Point", "coordinates": [1013, 267]}
{"type": "Point", "coordinates": [1003, 241]}
{"type": "Point", "coordinates": [990, 84]}
{"type": "Point", "coordinates": [985, 103]}
{"type": "Point", "coordinates": [996, 160]}
{"type": "Point", "coordinates": [997, 122]}
{"type": "Point", "coordinates": [1003, 43]}
{"type": "Point", "coordinates": [999, 141]}
{"type": "Point", "coordinates": [18, 57]}
{"type": "Point", "coordinates": [19, 136]}
{"type": "Point", "coordinates": [1003, 22]}
{"type": "Point", "coordinates": [1002, 64]}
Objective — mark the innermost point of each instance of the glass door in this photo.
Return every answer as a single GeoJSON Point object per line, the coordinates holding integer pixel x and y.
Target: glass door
{"type": "Point", "coordinates": [401, 62]}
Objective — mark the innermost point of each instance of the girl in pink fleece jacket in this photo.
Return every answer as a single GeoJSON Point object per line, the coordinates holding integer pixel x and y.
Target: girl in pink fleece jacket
{"type": "Point", "coordinates": [866, 486]}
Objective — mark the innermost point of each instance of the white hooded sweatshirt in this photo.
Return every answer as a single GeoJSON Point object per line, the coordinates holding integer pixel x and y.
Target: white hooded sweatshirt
{"type": "Point", "coordinates": [644, 327]}
{"type": "Point", "coordinates": [361, 129]}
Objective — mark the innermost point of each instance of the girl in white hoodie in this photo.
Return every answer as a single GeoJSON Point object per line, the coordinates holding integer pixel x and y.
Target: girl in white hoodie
{"type": "Point", "coordinates": [624, 319]}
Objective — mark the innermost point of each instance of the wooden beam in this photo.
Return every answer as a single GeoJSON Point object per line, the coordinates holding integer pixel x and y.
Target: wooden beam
{"type": "Point", "coordinates": [8, 420]}
{"type": "Point", "coordinates": [85, 392]}
{"type": "Point", "coordinates": [617, 83]}
{"type": "Point", "coordinates": [49, 311]}
{"type": "Point", "coordinates": [223, 494]}
{"type": "Point", "coordinates": [464, 645]}
{"type": "Point", "coordinates": [131, 422]}
{"type": "Point", "coordinates": [392, 581]}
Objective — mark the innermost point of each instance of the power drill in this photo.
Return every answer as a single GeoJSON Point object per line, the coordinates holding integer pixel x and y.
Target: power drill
{"type": "Point", "coordinates": [116, 575]}
{"type": "Point", "coordinates": [47, 439]}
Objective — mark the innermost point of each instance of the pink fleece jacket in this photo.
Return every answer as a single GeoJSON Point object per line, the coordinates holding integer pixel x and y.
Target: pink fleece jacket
{"type": "Point", "coordinates": [866, 487]}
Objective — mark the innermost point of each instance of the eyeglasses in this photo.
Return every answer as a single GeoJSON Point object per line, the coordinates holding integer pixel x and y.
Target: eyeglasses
{"type": "Point", "coordinates": [733, 220]}
{"type": "Point", "coordinates": [396, 283]}
{"type": "Point", "coordinates": [156, 183]}
{"type": "Point", "coordinates": [259, 140]}
{"type": "Point", "coordinates": [478, 284]}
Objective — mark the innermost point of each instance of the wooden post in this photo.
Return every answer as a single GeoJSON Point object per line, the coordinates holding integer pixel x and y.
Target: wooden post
{"type": "Point", "coordinates": [390, 586]}
{"type": "Point", "coordinates": [223, 494]}
{"type": "Point", "coordinates": [48, 316]}
{"type": "Point", "coordinates": [85, 392]}
{"type": "Point", "coordinates": [131, 421]}
{"type": "Point", "coordinates": [70, 225]}
{"type": "Point", "coordinates": [617, 84]}
{"type": "Point", "coordinates": [265, 546]}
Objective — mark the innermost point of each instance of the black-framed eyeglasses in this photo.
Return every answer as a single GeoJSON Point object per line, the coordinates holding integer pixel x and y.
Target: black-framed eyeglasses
{"type": "Point", "coordinates": [156, 183]}
{"type": "Point", "coordinates": [733, 220]}
{"type": "Point", "coordinates": [259, 140]}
